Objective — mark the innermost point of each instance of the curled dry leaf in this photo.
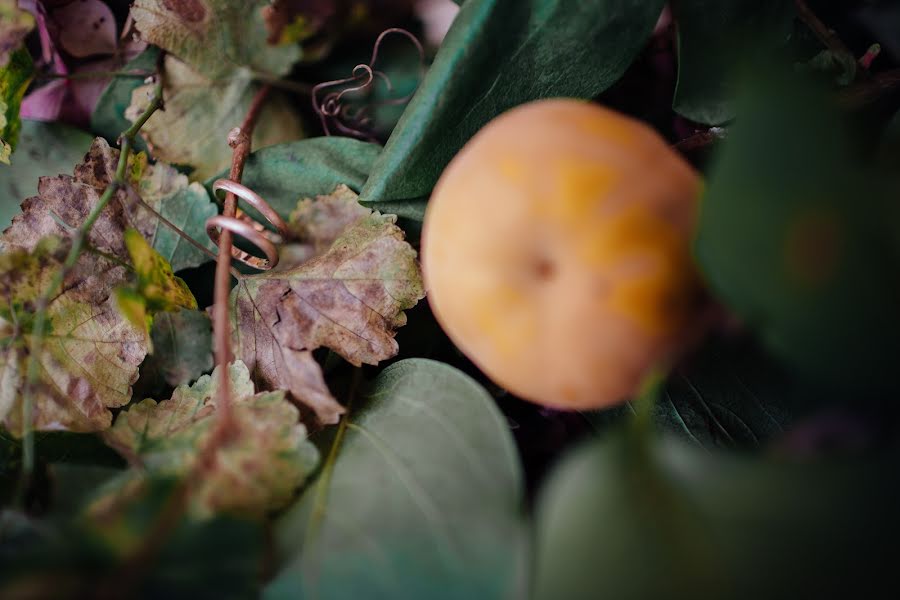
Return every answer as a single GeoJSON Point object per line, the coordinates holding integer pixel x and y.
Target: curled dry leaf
{"type": "Point", "coordinates": [260, 471]}
{"type": "Point", "coordinates": [349, 297]}
{"type": "Point", "coordinates": [199, 109]}
{"type": "Point", "coordinates": [63, 202]}
{"type": "Point", "coordinates": [90, 354]}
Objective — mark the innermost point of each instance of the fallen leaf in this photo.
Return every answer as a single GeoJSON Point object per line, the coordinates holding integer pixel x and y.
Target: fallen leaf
{"type": "Point", "coordinates": [156, 288]}
{"type": "Point", "coordinates": [349, 298]}
{"type": "Point", "coordinates": [260, 471]}
{"type": "Point", "coordinates": [63, 203]}
{"type": "Point", "coordinates": [200, 111]}
{"type": "Point", "coordinates": [214, 36]}
{"type": "Point", "coordinates": [90, 354]}
{"type": "Point", "coordinates": [15, 24]}
{"type": "Point", "coordinates": [14, 79]}
{"type": "Point", "coordinates": [43, 148]}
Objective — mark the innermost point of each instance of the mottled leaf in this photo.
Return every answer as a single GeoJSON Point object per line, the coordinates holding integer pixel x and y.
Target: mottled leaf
{"type": "Point", "coordinates": [421, 497]}
{"type": "Point", "coordinates": [15, 24]}
{"type": "Point", "coordinates": [155, 287]}
{"type": "Point", "coordinates": [214, 36]}
{"type": "Point", "coordinates": [90, 354]}
{"type": "Point", "coordinates": [259, 471]}
{"type": "Point", "coordinates": [497, 55]}
{"type": "Point", "coordinates": [14, 79]}
{"type": "Point", "coordinates": [43, 148]}
{"type": "Point", "coordinates": [199, 113]}
{"type": "Point", "coordinates": [350, 299]}
{"type": "Point", "coordinates": [63, 203]}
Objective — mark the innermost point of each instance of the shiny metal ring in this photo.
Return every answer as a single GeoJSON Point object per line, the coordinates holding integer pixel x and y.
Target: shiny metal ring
{"type": "Point", "coordinates": [245, 227]}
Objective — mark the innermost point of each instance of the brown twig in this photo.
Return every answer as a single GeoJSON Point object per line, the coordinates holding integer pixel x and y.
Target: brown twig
{"type": "Point", "coordinates": [240, 139]}
{"type": "Point", "coordinates": [700, 139]}
{"type": "Point", "coordinates": [870, 90]}
{"type": "Point", "coordinates": [176, 505]}
{"type": "Point", "coordinates": [826, 35]}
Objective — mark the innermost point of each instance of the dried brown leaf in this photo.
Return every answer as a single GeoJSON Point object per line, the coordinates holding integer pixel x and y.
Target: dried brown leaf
{"type": "Point", "coordinates": [350, 298]}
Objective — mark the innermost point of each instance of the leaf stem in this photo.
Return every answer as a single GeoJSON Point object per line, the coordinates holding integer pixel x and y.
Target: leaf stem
{"type": "Point", "coordinates": [79, 243]}
{"type": "Point", "coordinates": [826, 35]}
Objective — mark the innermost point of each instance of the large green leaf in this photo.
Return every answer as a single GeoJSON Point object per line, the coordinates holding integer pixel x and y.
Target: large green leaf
{"type": "Point", "coordinates": [497, 55]}
{"type": "Point", "coordinates": [799, 237]}
{"type": "Point", "coordinates": [420, 497]}
{"type": "Point", "coordinates": [285, 173]}
{"type": "Point", "coordinates": [633, 518]}
{"type": "Point", "coordinates": [44, 149]}
{"type": "Point", "coordinates": [712, 35]}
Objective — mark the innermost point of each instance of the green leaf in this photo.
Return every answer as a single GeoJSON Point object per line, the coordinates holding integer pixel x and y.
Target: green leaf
{"type": "Point", "coordinates": [257, 472]}
{"type": "Point", "coordinates": [498, 55]}
{"type": "Point", "coordinates": [15, 24]}
{"type": "Point", "coordinates": [201, 111]}
{"type": "Point", "coordinates": [349, 297]}
{"type": "Point", "coordinates": [14, 79]}
{"type": "Point", "coordinates": [798, 237]}
{"type": "Point", "coordinates": [108, 118]}
{"type": "Point", "coordinates": [727, 397]}
{"type": "Point", "coordinates": [630, 517]}
{"type": "Point", "coordinates": [90, 353]}
{"type": "Point", "coordinates": [182, 346]}
{"type": "Point", "coordinates": [214, 36]}
{"type": "Point", "coordinates": [712, 36]}
{"type": "Point", "coordinates": [44, 148]}
{"type": "Point", "coordinates": [284, 173]}
{"type": "Point", "coordinates": [421, 496]}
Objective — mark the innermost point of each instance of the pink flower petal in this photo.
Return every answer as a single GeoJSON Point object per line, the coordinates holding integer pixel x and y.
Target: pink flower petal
{"type": "Point", "coordinates": [86, 28]}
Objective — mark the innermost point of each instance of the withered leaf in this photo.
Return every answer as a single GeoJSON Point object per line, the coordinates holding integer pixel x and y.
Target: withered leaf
{"type": "Point", "coordinates": [349, 297]}
{"type": "Point", "coordinates": [214, 36]}
{"type": "Point", "coordinates": [199, 113]}
{"type": "Point", "coordinates": [259, 471]}
{"type": "Point", "coordinates": [90, 354]}
{"type": "Point", "coordinates": [63, 202]}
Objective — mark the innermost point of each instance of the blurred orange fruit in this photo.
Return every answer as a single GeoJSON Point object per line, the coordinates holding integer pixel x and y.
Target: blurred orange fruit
{"type": "Point", "coordinates": [556, 252]}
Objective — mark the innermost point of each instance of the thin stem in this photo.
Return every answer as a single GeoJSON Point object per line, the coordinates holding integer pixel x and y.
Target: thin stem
{"type": "Point", "coordinates": [240, 139]}
{"type": "Point", "coordinates": [95, 75]}
{"type": "Point", "coordinates": [826, 35]}
{"type": "Point", "coordinates": [56, 283]}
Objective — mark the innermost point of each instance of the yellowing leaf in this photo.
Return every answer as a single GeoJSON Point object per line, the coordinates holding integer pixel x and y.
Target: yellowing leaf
{"type": "Point", "coordinates": [259, 471]}
{"type": "Point", "coordinates": [15, 24]}
{"type": "Point", "coordinates": [157, 288]}
{"type": "Point", "coordinates": [90, 353]}
{"type": "Point", "coordinates": [349, 298]}
{"type": "Point", "coordinates": [200, 111]}
{"type": "Point", "coordinates": [213, 36]}
{"type": "Point", "coordinates": [14, 79]}
{"type": "Point", "coordinates": [63, 203]}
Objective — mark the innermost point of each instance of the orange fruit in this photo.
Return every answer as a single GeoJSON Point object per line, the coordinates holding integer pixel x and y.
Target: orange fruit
{"type": "Point", "coordinates": [556, 252]}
